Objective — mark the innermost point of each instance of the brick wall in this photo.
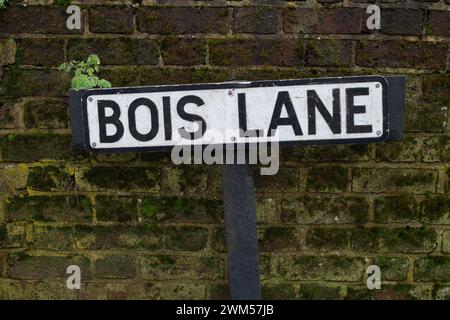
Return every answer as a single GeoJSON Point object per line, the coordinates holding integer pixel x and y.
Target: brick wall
{"type": "Point", "coordinates": [141, 227]}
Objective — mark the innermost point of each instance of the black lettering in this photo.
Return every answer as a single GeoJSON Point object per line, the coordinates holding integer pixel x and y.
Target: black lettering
{"type": "Point", "coordinates": [352, 110]}
{"type": "Point", "coordinates": [242, 110]}
{"type": "Point", "coordinates": [113, 119]}
{"type": "Point", "coordinates": [283, 99]}
{"type": "Point", "coordinates": [153, 115]}
{"type": "Point", "coordinates": [333, 121]}
{"type": "Point", "coordinates": [167, 118]}
{"type": "Point", "coordinates": [191, 117]}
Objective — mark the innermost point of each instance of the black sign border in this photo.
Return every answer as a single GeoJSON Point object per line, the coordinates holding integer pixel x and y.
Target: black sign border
{"type": "Point", "coordinates": [84, 94]}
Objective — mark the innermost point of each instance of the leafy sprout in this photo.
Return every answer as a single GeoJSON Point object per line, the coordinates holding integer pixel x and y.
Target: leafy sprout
{"type": "Point", "coordinates": [3, 4]}
{"type": "Point", "coordinates": [85, 73]}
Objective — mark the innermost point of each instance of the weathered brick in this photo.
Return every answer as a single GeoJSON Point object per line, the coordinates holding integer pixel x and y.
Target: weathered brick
{"type": "Point", "coordinates": [115, 266]}
{"type": "Point", "coordinates": [365, 239]}
{"type": "Point", "coordinates": [432, 269]}
{"type": "Point", "coordinates": [55, 290]}
{"type": "Point", "coordinates": [279, 239]}
{"type": "Point", "coordinates": [164, 267]}
{"type": "Point", "coordinates": [7, 51]}
{"type": "Point", "coordinates": [436, 149]}
{"type": "Point", "coordinates": [394, 180]}
{"type": "Point", "coordinates": [172, 291]}
{"type": "Point", "coordinates": [277, 291]}
{"type": "Point", "coordinates": [441, 292]}
{"type": "Point", "coordinates": [396, 209]}
{"type": "Point", "coordinates": [49, 208]}
{"type": "Point", "coordinates": [46, 114]}
{"type": "Point", "coordinates": [390, 292]}
{"type": "Point", "coordinates": [266, 210]}
{"type": "Point", "coordinates": [188, 179]}
{"type": "Point", "coordinates": [357, 152]}
{"type": "Point", "coordinates": [111, 20]}
{"type": "Point", "coordinates": [36, 147]}
{"type": "Point", "coordinates": [16, 290]}
{"type": "Point", "coordinates": [115, 51]}
{"type": "Point", "coordinates": [12, 235]}
{"type": "Point", "coordinates": [319, 292]}
{"type": "Point", "coordinates": [186, 238]}
{"type": "Point", "coordinates": [118, 291]}
{"type": "Point", "coordinates": [321, 268]}
{"type": "Point", "coordinates": [41, 52]}
{"type": "Point", "coordinates": [330, 210]}
{"type": "Point", "coordinates": [328, 53]}
{"type": "Point", "coordinates": [327, 21]}
{"type": "Point", "coordinates": [438, 23]}
{"type": "Point", "coordinates": [9, 114]}
{"type": "Point", "coordinates": [401, 54]}
{"type": "Point", "coordinates": [257, 19]}
{"type": "Point", "coordinates": [328, 179]}
{"type": "Point", "coordinates": [327, 239]}
{"type": "Point", "coordinates": [218, 241]}
{"type": "Point", "coordinates": [406, 150]}
{"type": "Point", "coordinates": [408, 240]}
{"type": "Point", "coordinates": [53, 238]}
{"type": "Point", "coordinates": [392, 268]}
{"type": "Point", "coordinates": [13, 178]}
{"type": "Point", "coordinates": [177, 20]}
{"type": "Point", "coordinates": [285, 179]}
{"type": "Point", "coordinates": [428, 117]}
{"type": "Point", "coordinates": [182, 51]}
{"type": "Point", "coordinates": [243, 52]}
{"type": "Point", "coordinates": [446, 241]}
{"type": "Point", "coordinates": [24, 266]}
{"type": "Point", "coordinates": [402, 21]}
{"type": "Point", "coordinates": [436, 209]}
{"type": "Point", "coordinates": [35, 19]}
{"type": "Point", "coordinates": [50, 178]}
{"type": "Point", "coordinates": [117, 209]}
{"type": "Point", "coordinates": [436, 89]}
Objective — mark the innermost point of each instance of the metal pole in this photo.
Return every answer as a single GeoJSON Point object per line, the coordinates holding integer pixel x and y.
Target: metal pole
{"type": "Point", "coordinates": [240, 227]}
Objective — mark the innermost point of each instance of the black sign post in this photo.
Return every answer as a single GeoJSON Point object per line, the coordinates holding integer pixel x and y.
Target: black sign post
{"type": "Point", "coordinates": [384, 95]}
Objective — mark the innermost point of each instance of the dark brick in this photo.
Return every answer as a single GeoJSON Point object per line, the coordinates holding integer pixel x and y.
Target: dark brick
{"type": "Point", "coordinates": [432, 269]}
{"type": "Point", "coordinates": [357, 152]}
{"type": "Point", "coordinates": [392, 268]}
{"type": "Point", "coordinates": [111, 20]}
{"type": "Point", "coordinates": [402, 22]}
{"type": "Point", "coordinates": [117, 209]}
{"type": "Point", "coordinates": [23, 266]}
{"type": "Point", "coordinates": [401, 54]}
{"type": "Point", "coordinates": [9, 117]}
{"type": "Point", "coordinates": [242, 52]}
{"type": "Point", "coordinates": [41, 52]}
{"type": "Point", "coordinates": [260, 19]}
{"type": "Point", "coordinates": [277, 291]}
{"type": "Point", "coordinates": [328, 179]}
{"type": "Point", "coordinates": [115, 51]}
{"type": "Point", "coordinates": [365, 239]}
{"type": "Point", "coordinates": [186, 238]}
{"type": "Point", "coordinates": [35, 147]}
{"type": "Point", "coordinates": [436, 149]}
{"type": "Point", "coordinates": [436, 89]}
{"type": "Point", "coordinates": [318, 292]}
{"type": "Point", "coordinates": [285, 179]}
{"type": "Point", "coordinates": [276, 239]}
{"type": "Point", "coordinates": [436, 209]}
{"type": "Point", "coordinates": [46, 114]}
{"type": "Point", "coordinates": [388, 292]}
{"type": "Point", "coordinates": [438, 23]}
{"type": "Point", "coordinates": [49, 208]}
{"type": "Point", "coordinates": [327, 239]}
{"type": "Point", "coordinates": [35, 19]}
{"type": "Point", "coordinates": [116, 267]}
{"type": "Point", "coordinates": [174, 20]}
{"type": "Point", "coordinates": [328, 53]}
{"type": "Point", "coordinates": [396, 209]}
{"type": "Point", "coordinates": [218, 241]}
{"type": "Point", "coordinates": [427, 117]}
{"type": "Point", "coordinates": [53, 238]}
{"type": "Point", "coordinates": [12, 236]}
{"type": "Point", "coordinates": [50, 178]}
{"type": "Point", "coordinates": [327, 21]}
{"type": "Point", "coordinates": [408, 240]}
{"type": "Point", "coordinates": [406, 150]}
{"type": "Point", "coordinates": [182, 51]}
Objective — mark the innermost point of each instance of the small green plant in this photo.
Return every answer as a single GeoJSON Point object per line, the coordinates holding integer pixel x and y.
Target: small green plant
{"type": "Point", "coordinates": [3, 4]}
{"type": "Point", "coordinates": [85, 73]}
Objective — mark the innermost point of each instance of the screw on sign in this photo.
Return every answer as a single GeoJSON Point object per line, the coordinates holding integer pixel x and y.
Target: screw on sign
{"type": "Point", "coordinates": [343, 110]}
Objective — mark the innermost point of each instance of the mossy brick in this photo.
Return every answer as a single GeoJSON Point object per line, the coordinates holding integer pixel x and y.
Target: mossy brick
{"type": "Point", "coordinates": [24, 266]}
{"type": "Point", "coordinates": [438, 23]}
{"type": "Point", "coordinates": [12, 235]}
{"type": "Point", "coordinates": [142, 237]}
{"type": "Point", "coordinates": [278, 239]}
{"type": "Point", "coordinates": [9, 114]}
{"type": "Point", "coordinates": [111, 20]}
{"type": "Point", "coordinates": [123, 178]}
{"type": "Point", "coordinates": [50, 178]}
{"type": "Point", "coordinates": [16, 290]}
{"type": "Point", "coordinates": [401, 54]}
{"type": "Point", "coordinates": [218, 240]}
{"type": "Point", "coordinates": [286, 179]}
{"type": "Point", "coordinates": [389, 292]}
{"type": "Point", "coordinates": [35, 19]}
{"type": "Point", "coordinates": [55, 290]}
{"type": "Point", "coordinates": [446, 241]}
{"type": "Point", "coordinates": [167, 267]}
{"type": "Point", "coordinates": [45, 82]}
{"type": "Point", "coordinates": [327, 239]}
{"type": "Point", "coordinates": [356, 152]}
{"type": "Point", "coordinates": [177, 291]}
{"type": "Point", "coordinates": [406, 150]}
{"type": "Point", "coordinates": [319, 292]}
{"type": "Point", "coordinates": [36, 147]}
{"type": "Point", "coordinates": [41, 52]}
{"type": "Point", "coordinates": [325, 52]}
{"type": "Point", "coordinates": [186, 179]}
{"type": "Point", "coordinates": [394, 180]}
{"type": "Point", "coordinates": [364, 239]}
{"type": "Point", "coordinates": [257, 19]}
{"type": "Point", "coordinates": [14, 178]}
{"type": "Point", "coordinates": [177, 209]}
{"type": "Point", "coordinates": [436, 149]}
{"type": "Point", "coordinates": [115, 290]}
{"type": "Point", "coordinates": [331, 268]}
{"type": "Point", "coordinates": [435, 209]}
{"type": "Point", "coordinates": [323, 21]}
{"type": "Point", "coordinates": [46, 114]}
{"type": "Point", "coordinates": [406, 22]}
{"type": "Point", "coordinates": [116, 209]}
{"type": "Point", "coordinates": [219, 291]}
{"type": "Point", "coordinates": [185, 238]}
{"type": "Point", "coordinates": [435, 89]}
{"type": "Point", "coordinates": [122, 76]}
{"type": "Point", "coordinates": [246, 52]}
{"type": "Point", "coordinates": [441, 292]}
{"type": "Point", "coordinates": [266, 210]}
{"type": "Point", "coordinates": [392, 268]}
{"type": "Point", "coordinates": [282, 291]}
{"type": "Point", "coordinates": [183, 51]}
{"type": "Point", "coordinates": [183, 20]}
{"type": "Point", "coordinates": [116, 267]}
{"type": "Point", "coordinates": [436, 268]}
{"type": "Point", "coordinates": [328, 179]}
{"type": "Point", "coordinates": [408, 240]}
{"type": "Point", "coordinates": [115, 51]}
{"type": "Point", "coordinates": [329, 210]}
{"type": "Point", "coordinates": [53, 238]}
{"type": "Point", "coordinates": [7, 51]}
{"type": "Point", "coordinates": [390, 209]}
{"type": "Point", "coordinates": [49, 209]}
{"type": "Point", "coordinates": [427, 117]}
